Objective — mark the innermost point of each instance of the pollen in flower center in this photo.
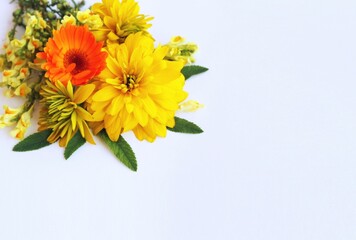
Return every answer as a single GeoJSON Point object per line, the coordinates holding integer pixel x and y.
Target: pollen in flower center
{"type": "Point", "coordinates": [75, 61]}
{"type": "Point", "coordinates": [130, 82]}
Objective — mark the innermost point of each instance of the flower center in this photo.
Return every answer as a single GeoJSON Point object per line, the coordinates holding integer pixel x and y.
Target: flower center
{"type": "Point", "coordinates": [130, 82]}
{"type": "Point", "coordinates": [75, 60]}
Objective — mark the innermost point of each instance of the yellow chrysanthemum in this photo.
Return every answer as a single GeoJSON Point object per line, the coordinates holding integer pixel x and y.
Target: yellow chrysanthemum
{"type": "Point", "coordinates": [138, 90]}
{"type": "Point", "coordinates": [121, 18]}
{"type": "Point", "coordinates": [63, 111]}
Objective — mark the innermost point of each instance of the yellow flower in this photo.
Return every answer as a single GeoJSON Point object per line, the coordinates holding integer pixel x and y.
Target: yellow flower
{"type": "Point", "coordinates": [33, 43]}
{"type": "Point", "coordinates": [22, 125]}
{"type": "Point", "coordinates": [10, 116]}
{"type": "Point", "coordinates": [89, 18]}
{"type": "Point", "coordinates": [121, 18]}
{"type": "Point", "coordinates": [23, 90]}
{"type": "Point", "coordinates": [179, 50]}
{"type": "Point", "coordinates": [34, 22]}
{"type": "Point", "coordinates": [63, 111]}
{"type": "Point", "coordinates": [138, 90]}
{"type": "Point", "coordinates": [69, 20]}
{"type": "Point", "coordinates": [190, 106]}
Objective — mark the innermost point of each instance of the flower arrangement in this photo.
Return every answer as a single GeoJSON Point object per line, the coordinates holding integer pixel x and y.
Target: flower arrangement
{"type": "Point", "coordinates": [93, 72]}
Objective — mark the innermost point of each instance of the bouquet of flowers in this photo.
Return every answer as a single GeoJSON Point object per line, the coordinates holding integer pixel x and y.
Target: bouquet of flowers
{"type": "Point", "coordinates": [93, 72]}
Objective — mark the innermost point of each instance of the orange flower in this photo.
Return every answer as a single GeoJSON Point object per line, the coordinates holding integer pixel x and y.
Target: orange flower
{"type": "Point", "coordinates": [73, 55]}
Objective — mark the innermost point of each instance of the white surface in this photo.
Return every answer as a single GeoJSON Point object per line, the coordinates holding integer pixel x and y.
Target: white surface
{"type": "Point", "coordinates": [277, 160]}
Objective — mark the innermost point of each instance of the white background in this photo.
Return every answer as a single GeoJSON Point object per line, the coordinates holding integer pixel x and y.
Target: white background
{"type": "Point", "coordinates": [277, 160]}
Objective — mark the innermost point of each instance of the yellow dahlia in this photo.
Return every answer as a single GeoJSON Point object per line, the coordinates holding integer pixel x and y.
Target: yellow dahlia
{"type": "Point", "coordinates": [138, 90]}
{"type": "Point", "coordinates": [63, 113]}
{"type": "Point", "coordinates": [121, 18]}
{"type": "Point", "coordinates": [73, 55]}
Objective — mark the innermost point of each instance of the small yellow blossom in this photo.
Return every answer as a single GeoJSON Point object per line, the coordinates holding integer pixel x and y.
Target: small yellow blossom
{"type": "Point", "coordinates": [30, 22]}
{"type": "Point", "coordinates": [22, 125]}
{"type": "Point", "coordinates": [190, 106]}
{"type": "Point", "coordinates": [69, 20]}
{"type": "Point", "coordinates": [89, 18]}
{"type": "Point", "coordinates": [14, 78]}
{"type": "Point", "coordinates": [33, 44]}
{"type": "Point", "coordinates": [23, 90]}
{"type": "Point", "coordinates": [10, 116]}
{"type": "Point", "coordinates": [179, 50]}
{"type": "Point", "coordinates": [34, 22]}
{"type": "Point", "coordinates": [17, 44]}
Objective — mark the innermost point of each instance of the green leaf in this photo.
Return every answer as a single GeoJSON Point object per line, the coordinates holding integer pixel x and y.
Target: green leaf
{"type": "Point", "coordinates": [121, 150]}
{"type": "Point", "coordinates": [33, 142]}
{"type": "Point", "coordinates": [74, 144]}
{"type": "Point", "coordinates": [184, 126]}
{"type": "Point", "coordinates": [191, 70]}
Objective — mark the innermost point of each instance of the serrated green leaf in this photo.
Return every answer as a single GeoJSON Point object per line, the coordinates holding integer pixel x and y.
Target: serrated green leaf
{"type": "Point", "coordinates": [184, 126]}
{"type": "Point", "coordinates": [121, 150]}
{"type": "Point", "coordinates": [74, 144]}
{"type": "Point", "coordinates": [33, 142]}
{"type": "Point", "coordinates": [191, 70]}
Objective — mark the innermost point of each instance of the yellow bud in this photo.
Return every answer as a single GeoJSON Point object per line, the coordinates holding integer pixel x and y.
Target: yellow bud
{"type": "Point", "coordinates": [177, 39]}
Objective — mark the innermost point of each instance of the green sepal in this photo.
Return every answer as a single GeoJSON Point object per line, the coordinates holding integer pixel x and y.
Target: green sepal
{"type": "Point", "coordinates": [191, 70]}
{"type": "Point", "coordinates": [74, 144]}
{"type": "Point", "coordinates": [33, 142]}
{"type": "Point", "coordinates": [184, 126]}
{"type": "Point", "coordinates": [122, 150]}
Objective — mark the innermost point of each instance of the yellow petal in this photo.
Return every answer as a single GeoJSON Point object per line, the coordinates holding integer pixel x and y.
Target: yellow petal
{"type": "Point", "coordinates": [84, 114]}
{"type": "Point", "coordinates": [83, 92]}
{"type": "Point", "coordinates": [74, 120]}
{"type": "Point", "coordinates": [105, 94]}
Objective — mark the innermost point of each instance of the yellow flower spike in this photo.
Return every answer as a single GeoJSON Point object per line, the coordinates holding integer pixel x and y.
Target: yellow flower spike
{"type": "Point", "coordinates": [139, 91]}
{"type": "Point", "coordinates": [63, 111]}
